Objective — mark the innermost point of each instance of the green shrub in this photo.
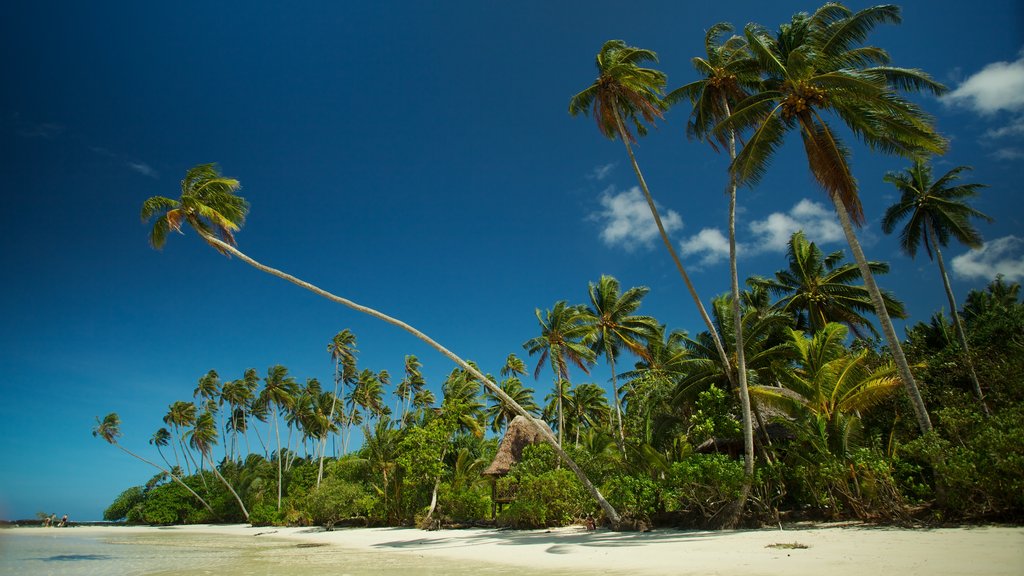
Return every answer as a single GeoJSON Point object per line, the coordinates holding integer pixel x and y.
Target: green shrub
{"type": "Point", "coordinates": [553, 498]}
{"type": "Point", "coordinates": [462, 505]}
{"type": "Point", "coordinates": [336, 500]}
{"type": "Point", "coordinates": [264, 515]}
{"type": "Point", "coordinates": [634, 497]}
{"type": "Point", "coordinates": [701, 486]}
{"type": "Point", "coordinates": [127, 505]}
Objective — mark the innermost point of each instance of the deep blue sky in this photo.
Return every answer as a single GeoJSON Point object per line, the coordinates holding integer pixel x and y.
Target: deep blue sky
{"type": "Point", "coordinates": [417, 158]}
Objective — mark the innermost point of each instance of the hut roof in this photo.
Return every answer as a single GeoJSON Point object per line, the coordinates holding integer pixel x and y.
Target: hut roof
{"type": "Point", "coordinates": [520, 432]}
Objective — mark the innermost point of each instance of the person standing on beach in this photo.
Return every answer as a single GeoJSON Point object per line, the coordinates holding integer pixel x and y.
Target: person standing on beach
{"type": "Point", "coordinates": [63, 521]}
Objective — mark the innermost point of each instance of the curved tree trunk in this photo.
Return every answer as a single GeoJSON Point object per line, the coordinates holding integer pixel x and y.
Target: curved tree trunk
{"type": "Point", "coordinates": [741, 361]}
{"type": "Point", "coordinates": [545, 433]}
{"type": "Point", "coordinates": [672, 252]}
{"type": "Point", "coordinates": [173, 477]}
{"type": "Point", "coordinates": [213, 466]}
{"type": "Point", "coordinates": [902, 367]}
{"type": "Point", "coordinates": [957, 324]}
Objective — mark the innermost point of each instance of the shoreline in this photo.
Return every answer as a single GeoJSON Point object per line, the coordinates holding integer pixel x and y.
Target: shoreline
{"type": "Point", "coordinates": [795, 551]}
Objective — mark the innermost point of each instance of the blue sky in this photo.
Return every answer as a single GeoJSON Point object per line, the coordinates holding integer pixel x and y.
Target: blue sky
{"type": "Point", "coordinates": [417, 158]}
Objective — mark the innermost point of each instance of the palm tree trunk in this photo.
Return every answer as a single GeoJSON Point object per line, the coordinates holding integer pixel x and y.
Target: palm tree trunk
{"type": "Point", "coordinates": [277, 429]}
{"type": "Point", "coordinates": [956, 322]}
{"type": "Point", "coordinates": [330, 421]}
{"type": "Point", "coordinates": [737, 319]}
{"type": "Point", "coordinates": [173, 477]}
{"type": "Point", "coordinates": [545, 433]}
{"type": "Point", "coordinates": [902, 367]}
{"type": "Point", "coordinates": [618, 406]}
{"type": "Point", "coordinates": [672, 252]}
{"type": "Point", "coordinates": [228, 485]}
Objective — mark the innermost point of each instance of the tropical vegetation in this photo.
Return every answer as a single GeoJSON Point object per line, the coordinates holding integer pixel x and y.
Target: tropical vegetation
{"type": "Point", "coordinates": [785, 403]}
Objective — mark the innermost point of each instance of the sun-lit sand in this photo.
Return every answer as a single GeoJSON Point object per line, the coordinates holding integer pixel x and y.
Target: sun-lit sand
{"type": "Point", "coordinates": [797, 551]}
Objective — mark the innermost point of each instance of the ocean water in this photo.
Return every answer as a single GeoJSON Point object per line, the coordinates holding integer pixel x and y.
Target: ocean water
{"type": "Point", "coordinates": [71, 552]}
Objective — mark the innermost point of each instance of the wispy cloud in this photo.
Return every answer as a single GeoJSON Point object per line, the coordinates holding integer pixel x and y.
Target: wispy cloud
{"type": "Point", "coordinates": [771, 234]}
{"type": "Point", "coordinates": [1000, 256]}
{"type": "Point", "coordinates": [999, 86]}
{"type": "Point", "coordinates": [626, 220]}
{"type": "Point", "coordinates": [601, 172]}
{"type": "Point", "coordinates": [31, 129]}
{"type": "Point", "coordinates": [144, 169]}
{"type": "Point", "coordinates": [1008, 154]}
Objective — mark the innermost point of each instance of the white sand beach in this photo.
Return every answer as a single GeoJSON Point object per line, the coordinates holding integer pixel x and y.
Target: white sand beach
{"type": "Point", "coordinates": [797, 551]}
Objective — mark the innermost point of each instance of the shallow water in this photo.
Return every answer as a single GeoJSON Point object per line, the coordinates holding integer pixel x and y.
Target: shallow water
{"type": "Point", "coordinates": [67, 552]}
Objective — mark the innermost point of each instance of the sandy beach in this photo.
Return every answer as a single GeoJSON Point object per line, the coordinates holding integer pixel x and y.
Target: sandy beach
{"type": "Point", "coordinates": [796, 551]}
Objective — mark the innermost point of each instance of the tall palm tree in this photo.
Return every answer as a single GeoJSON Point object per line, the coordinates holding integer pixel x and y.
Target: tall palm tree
{"type": "Point", "coordinates": [818, 289]}
{"type": "Point", "coordinates": [729, 75]}
{"type": "Point", "coordinates": [514, 366]}
{"type": "Point", "coordinates": [208, 203]}
{"type": "Point", "coordinates": [181, 415]}
{"type": "Point", "coordinates": [203, 437]}
{"type": "Point", "coordinates": [342, 349]}
{"type": "Point", "coordinates": [565, 337]}
{"type": "Point", "coordinates": [279, 390]}
{"type": "Point", "coordinates": [816, 67]}
{"type": "Point", "coordinates": [412, 383]}
{"type": "Point", "coordinates": [462, 399]}
{"type": "Point", "coordinates": [109, 429]}
{"type": "Point", "coordinates": [626, 92]}
{"type": "Point", "coordinates": [160, 438]}
{"type": "Point", "coordinates": [617, 328]}
{"type": "Point", "coordinates": [937, 210]}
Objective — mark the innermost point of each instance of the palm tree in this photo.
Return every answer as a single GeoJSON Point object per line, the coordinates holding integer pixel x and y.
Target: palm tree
{"type": "Point", "coordinates": [829, 388]}
{"type": "Point", "coordinates": [617, 328]}
{"type": "Point", "coordinates": [237, 395]}
{"type": "Point", "coordinates": [181, 415]}
{"type": "Point", "coordinates": [588, 409]}
{"type": "Point", "coordinates": [160, 438]}
{"type": "Point", "coordinates": [935, 211]}
{"type": "Point", "coordinates": [513, 366]}
{"type": "Point", "coordinates": [412, 383]}
{"type": "Point", "coordinates": [625, 92]}
{"type": "Point", "coordinates": [208, 203]}
{"type": "Point", "coordinates": [817, 65]}
{"type": "Point", "coordinates": [110, 430]}
{"type": "Point", "coordinates": [729, 75]}
{"type": "Point", "coordinates": [342, 349]}
{"type": "Point", "coordinates": [565, 337]}
{"type": "Point", "coordinates": [278, 394]}
{"type": "Point", "coordinates": [462, 399]}
{"type": "Point", "coordinates": [818, 289]}
{"type": "Point", "coordinates": [203, 437]}
{"type": "Point", "coordinates": [499, 413]}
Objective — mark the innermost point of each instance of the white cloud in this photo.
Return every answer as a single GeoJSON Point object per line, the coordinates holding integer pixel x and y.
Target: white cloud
{"type": "Point", "coordinates": [711, 243]}
{"type": "Point", "coordinates": [627, 222]}
{"type": "Point", "coordinates": [1000, 256]}
{"type": "Point", "coordinates": [998, 86]}
{"type": "Point", "coordinates": [1008, 154]}
{"type": "Point", "coordinates": [144, 169]}
{"type": "Point", "coordinates": [601, 172]}
{"type": "Point", "coordinates": [1014, 128]}
{"type": "Point", "coordinates": [819, 224]}
{"type": "Point", "coordinates": [769, 235]}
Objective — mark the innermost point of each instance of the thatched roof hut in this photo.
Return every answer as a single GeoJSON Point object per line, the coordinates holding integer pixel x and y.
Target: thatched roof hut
{"type": "Point", "coordinates": [520, 432]}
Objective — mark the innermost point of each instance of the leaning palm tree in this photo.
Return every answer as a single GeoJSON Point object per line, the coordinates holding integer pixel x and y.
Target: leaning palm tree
{"type": "Point", "coordinates": [729, 75]}
{"type": "Point", "coordinates": [817, 67]}
{"type": "Point", "coordinates": [817, 289]}
{"type": "Point", "coordinates": [203, 437]}
{"type": "Point", "coordinates": [937, 210]}
{"type": "Point", "coordinates": [627, 93]}
{"type": "Point", "coordinates": [110, 430]}
{"type": "Point", "coordinates": [161, 438]}
{"type": "Point", "coordinates": [210, 206]}
{"type": "Point", "coordinates": [617, 328]}
{"type": "Point", "coordinates": [565, 336]}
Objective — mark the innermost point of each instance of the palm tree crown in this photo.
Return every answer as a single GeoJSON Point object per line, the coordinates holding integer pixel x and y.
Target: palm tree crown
{"type": "Point", "coordinates": [208, 203]}
{"type": "Point", "coordinates": [624, 91]}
